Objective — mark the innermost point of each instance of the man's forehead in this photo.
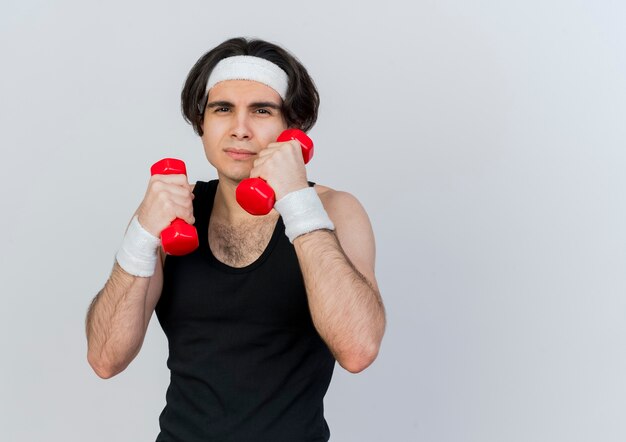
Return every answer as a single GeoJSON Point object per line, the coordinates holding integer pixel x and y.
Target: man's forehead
{"type": "Point", "coordinates": [241, 91]}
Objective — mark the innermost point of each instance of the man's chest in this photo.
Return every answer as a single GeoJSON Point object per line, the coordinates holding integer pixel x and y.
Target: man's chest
{"type": "Point", "coordinates": [239, 245]}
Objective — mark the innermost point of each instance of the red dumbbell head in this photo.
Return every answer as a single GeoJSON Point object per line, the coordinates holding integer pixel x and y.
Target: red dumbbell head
{"type": "Point", "coordinates": [255, 196]}
{"type": "Point", "coordinates": [305, 142]}
{"type": "Point", "coordinates": [179, 238]}
{"type": "Point", "coordinates": [168, 166]}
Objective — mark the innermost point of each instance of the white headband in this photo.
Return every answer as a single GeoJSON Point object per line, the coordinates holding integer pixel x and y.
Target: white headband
{"type": "Point", "coordinates": [246, 67]}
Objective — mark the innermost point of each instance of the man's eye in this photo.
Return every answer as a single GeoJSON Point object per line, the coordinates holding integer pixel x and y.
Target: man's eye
{"type": "Point", "coordinates": [263, 111]}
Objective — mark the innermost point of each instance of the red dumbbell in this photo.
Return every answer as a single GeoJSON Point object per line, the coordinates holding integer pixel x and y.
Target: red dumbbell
{"type": "Point", "coordinates": [179, 238]}
{"type": "Point", "coordinates": [254, 195]}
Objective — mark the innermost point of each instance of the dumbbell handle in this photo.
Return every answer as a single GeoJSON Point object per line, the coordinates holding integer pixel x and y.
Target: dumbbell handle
{"type": "Point", "coordinates": [254, 195]}
{"type": "Point", "coordinates": [179, 238]}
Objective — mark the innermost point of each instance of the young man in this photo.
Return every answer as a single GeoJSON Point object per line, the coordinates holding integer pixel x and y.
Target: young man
{"type": "Point", "coordinates": [258, 314]}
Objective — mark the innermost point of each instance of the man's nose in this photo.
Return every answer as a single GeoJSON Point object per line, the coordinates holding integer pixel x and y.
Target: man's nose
{"type": "Point", "coordinates": [241, 126]}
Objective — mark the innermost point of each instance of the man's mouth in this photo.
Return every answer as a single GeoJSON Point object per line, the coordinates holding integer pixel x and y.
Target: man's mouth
{"type": "Point", "coordinates": [239, 154]}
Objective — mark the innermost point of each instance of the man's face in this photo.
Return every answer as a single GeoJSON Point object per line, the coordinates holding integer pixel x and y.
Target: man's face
{"type": "Point", "coordinates": [241, 118]}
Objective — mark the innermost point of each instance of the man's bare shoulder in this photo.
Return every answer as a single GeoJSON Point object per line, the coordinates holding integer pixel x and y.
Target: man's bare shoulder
{"type": "Point", "coordinates": [323, 191]}
{"type": "Point", "coordinates": [352, 227]}
{"type": "Point", "coordinates": [338, 202]}
{"type": "Point", "coordinates": [330, 195]}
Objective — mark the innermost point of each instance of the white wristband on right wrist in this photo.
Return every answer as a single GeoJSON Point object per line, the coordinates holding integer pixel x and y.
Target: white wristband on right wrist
{"type": "Point", "coordinates": [138, 252]}
{"type": "Point", "coordinates": [303, 212]}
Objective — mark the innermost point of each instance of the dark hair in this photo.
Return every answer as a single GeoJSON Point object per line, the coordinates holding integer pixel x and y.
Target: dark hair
{"type": "Point", "coordinates": [300, 105]}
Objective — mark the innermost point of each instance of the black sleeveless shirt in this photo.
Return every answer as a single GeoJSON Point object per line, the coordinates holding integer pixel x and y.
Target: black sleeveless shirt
{"type": "Point", "coordinates": [246, 362]}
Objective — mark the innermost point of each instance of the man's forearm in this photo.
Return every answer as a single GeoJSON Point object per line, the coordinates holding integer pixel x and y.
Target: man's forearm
{"type": "Point", "coordinates": [346, 308]}
{"type": "Point", "coordinates": [116, 323]}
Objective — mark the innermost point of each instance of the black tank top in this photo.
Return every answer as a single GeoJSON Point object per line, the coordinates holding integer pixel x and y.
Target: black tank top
{"type": "Point", "coordinates": [246, 362]}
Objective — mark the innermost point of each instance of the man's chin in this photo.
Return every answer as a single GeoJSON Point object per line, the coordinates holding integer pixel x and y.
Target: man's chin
{"type": "Point", "coordinates": [234, 178]}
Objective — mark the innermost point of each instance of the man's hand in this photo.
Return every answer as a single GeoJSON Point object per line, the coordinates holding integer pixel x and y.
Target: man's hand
{"type": "Point", "coordinates": [168, 197]}
{"type": "Point", "coordinates": [282, 166]}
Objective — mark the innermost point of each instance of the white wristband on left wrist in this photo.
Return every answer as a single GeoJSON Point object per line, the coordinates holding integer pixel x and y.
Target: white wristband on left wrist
{"type": "Point", "coordinates": [303, 212]}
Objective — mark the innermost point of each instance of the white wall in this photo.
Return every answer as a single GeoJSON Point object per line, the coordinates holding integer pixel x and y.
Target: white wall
{"type": "Point", "coordinates": [486, 140]}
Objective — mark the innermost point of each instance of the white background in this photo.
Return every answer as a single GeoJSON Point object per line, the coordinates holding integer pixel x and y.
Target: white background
{"type": "Point", "coordinates": [486, 139]}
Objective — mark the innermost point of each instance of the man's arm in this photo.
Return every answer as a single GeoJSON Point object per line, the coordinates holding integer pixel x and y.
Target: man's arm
{"type": "Point", "coordinates": [118, 319]}
{"type": "Point", "coordinates": [338, 271]}
{"type": "Point", "coordinates": [338, 267]}
{"type": "Point", "coordinates": [119, 315]}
